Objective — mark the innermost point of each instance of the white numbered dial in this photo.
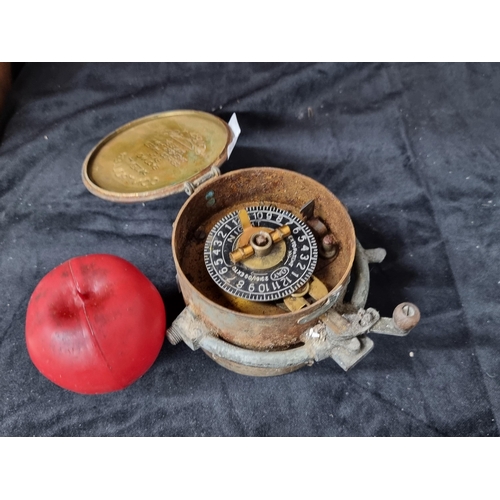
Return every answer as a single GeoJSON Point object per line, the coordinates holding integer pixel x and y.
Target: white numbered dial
{"type": "Point", "coordinates": [286, 270]}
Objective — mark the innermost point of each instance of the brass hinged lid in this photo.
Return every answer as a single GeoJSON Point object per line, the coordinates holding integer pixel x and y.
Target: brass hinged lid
{"type": "Point", "coordinates": [156, 156]}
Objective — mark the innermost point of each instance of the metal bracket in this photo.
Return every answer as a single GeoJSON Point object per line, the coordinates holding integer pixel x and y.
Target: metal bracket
{"type": "Point", "coordinates": [348, 342]}
{"type": "Point", "coordinates": [189, 328]}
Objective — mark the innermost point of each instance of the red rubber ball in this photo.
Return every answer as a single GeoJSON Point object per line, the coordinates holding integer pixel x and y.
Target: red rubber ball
{"type": "Point", "coordinates": [95, 324]}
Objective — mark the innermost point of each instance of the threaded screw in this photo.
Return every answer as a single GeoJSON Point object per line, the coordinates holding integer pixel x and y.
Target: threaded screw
{"type": "Point", "coordinates": [174, 335]}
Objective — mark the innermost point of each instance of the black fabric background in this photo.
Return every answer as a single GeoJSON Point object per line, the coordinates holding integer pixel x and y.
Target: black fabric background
{"type": "Point", "coordinates": [412, 151]}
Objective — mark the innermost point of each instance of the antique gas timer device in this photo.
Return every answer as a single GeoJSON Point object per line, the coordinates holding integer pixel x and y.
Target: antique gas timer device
{"type": "Point", "coordinates": [264, 256]}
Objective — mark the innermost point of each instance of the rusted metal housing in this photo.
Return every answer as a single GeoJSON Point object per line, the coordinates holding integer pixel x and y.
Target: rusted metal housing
{"type": "Point", "coordinates": [271, 328]}
{"type": "Point", "coordinates": [262, 339]}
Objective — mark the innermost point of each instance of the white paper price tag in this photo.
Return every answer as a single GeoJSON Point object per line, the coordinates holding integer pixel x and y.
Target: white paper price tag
{"type": "Point", "coordinates": [236, 130]}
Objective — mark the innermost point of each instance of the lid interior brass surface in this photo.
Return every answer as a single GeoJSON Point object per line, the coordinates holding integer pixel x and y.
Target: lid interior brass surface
{"type": "Point", "coordinates": [153, 156]}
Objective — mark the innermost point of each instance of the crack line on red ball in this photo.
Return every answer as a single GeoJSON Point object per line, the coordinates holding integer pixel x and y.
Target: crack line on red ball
{"type": "Point", "coordinates": [79, 293]}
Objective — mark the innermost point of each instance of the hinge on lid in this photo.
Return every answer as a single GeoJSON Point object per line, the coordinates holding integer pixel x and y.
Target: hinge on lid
{"type": "Point", "coordinates": [189, 187]}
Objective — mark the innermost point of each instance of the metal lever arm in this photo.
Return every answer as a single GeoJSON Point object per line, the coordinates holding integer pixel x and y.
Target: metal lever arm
{"type": "Point", "coordinates": [404, 318]}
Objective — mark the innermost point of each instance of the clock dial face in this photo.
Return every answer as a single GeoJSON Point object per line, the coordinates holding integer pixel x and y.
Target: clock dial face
{"type": "Point", "coordinates": [288, 267]}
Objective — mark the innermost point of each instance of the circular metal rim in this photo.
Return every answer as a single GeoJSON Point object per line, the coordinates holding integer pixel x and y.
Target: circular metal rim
{"type": "Point", "coordinates": [297, 314]}
{"type": "Point", "coordinates": [155, 193]}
